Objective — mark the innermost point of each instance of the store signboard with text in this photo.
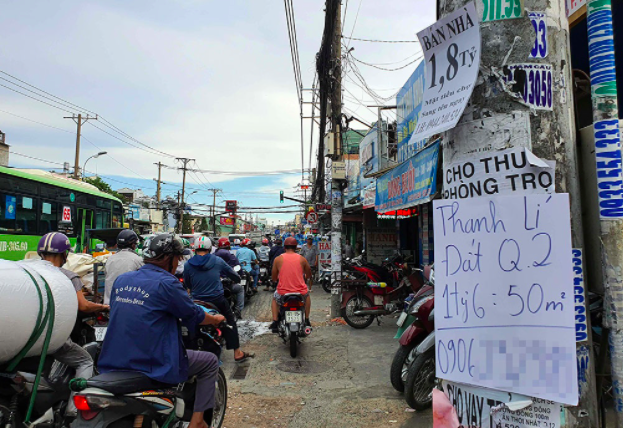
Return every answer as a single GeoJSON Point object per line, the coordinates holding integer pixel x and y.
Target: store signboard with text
{"type": "Point", "coordinates": [368, 152]}
{"type": "Point", "coordinates": [411, 183]}
{"type": "Point", "coordinates": [504, 282]}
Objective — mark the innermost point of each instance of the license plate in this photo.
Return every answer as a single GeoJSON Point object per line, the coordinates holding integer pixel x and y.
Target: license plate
{"type": "Point", "coordinates": [294, 316]}
{"type": "Point", "coordinates": [401, 319]}
{"type": "Point", "coordinates": [263, 270]}
{"type": "Point", "coordinates": [243, 282]}
{"type": "Point", "coordinates": [378, 300]}
{"type": "Point", "coordinates": [100, 333]}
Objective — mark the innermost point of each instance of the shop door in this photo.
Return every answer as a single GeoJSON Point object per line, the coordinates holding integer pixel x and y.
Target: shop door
{"type": "Point", "coordinates": [85, 221]}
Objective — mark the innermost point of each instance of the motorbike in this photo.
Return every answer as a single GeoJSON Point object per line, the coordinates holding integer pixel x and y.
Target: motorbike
{"type": "Point", "coordinates": [325, 277]}
{"type": "Point", "coordinates": [367, 299]}
{"type": "Point", "coordinates": [131, 399]}
{"type": "Point", "coordinates": [246, 280]}
{"type": "Point", "coordinates": [421, 372]}
{"type": "Point", "coordinates": [292, 326]}
{"type": "Point", "coordinates": [231, 297]}
{"type": "Point", "coordinates": [52, 392]}
{"type": "Point", "coordinates": [413, 327]}
{"type": "Point", "coordinates": [264, 278]}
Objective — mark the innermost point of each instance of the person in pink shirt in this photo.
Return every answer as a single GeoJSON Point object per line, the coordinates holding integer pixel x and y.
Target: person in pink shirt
{"type": "Point", "coordinates": [292, 271]}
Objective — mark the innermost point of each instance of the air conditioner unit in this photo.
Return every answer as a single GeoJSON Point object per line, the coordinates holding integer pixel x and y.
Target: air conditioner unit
{"type": "Point", "coordinates": [329, 144]}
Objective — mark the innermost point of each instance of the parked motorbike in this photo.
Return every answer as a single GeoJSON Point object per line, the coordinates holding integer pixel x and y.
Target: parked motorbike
{"type": "Point", "coordinates": [131, 399]}
{"type": "Point", "coordinates": [325, 277]}
{"type": "Point", "coordinates": [365, 301]}
{"type": "Point", "coordinates": [421, 373]}
{"type": "Point", "coordinates": [292, 326]}
{"type": "Point", "coordinates": [52, 393]}
{"type": "Point", "coordinates": [413, 327]}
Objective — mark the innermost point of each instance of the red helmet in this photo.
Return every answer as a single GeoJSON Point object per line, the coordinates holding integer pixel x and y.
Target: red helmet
{"type": "Point", "coordinates": [264, 241]}
{"type": "Point", "coordinates": [290, 242]}
{"type": "Point", "coordinates": [223, 243]}
{"type": "Point", "coordinates": [245, 242]}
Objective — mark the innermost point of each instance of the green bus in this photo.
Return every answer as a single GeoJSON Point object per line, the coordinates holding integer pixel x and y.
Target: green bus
{"type": "Point", "coordinates": [34, 202]}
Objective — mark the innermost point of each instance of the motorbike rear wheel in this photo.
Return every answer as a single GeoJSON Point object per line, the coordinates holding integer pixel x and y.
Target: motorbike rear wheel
{"type": "Point", "coordinates": [400, 366]}
{"type": "Point", "coordinates": [421, 381]}
{"type": "Point", "coordinates": [354, 304]}
{"type": "Point", "coordinates": [293, 344]}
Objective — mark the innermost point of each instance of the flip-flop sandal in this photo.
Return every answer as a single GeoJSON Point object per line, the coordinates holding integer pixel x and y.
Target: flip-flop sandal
{"type": "Point", "coordinates": [245, 356]}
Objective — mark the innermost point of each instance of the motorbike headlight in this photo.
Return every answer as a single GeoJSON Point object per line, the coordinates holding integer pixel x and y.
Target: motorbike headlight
{"type": "Point", "coordinates": [416, 307]}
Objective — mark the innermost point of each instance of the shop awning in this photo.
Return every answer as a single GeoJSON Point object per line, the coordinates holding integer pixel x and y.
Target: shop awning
{"type": "Point", "coordinates": [411, 183]}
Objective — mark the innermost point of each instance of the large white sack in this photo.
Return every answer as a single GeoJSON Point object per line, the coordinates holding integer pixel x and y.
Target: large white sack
{"type": "Point", "coordinates": [19, 306]}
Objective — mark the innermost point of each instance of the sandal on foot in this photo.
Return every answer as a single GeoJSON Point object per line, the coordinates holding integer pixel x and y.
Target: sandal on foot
{"type": "Point", "coordinates": [245, 356]}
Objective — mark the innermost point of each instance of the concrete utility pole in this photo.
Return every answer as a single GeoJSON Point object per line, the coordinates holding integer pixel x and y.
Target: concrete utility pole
{"type": "Point", "coordinates": [79, 121]}
{"type": "Point", "coordinates": [158, 182]}
{"type": "Point", "coordinates": [609, 180]}
{"type": "Point", "coordinates": [184, 168]}
{"type": "Point", "coordinates": [213, 208]}
{"type": "Point", "coordinates": [336, 185]}
{"type": "Point", "coordinates": [551, 133]}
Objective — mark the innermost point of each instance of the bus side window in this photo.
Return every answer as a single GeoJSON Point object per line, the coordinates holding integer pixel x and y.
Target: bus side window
{"type": "Point", "coordinates": [26, 216]}
{"type": "Point", "coordinates": [47, 217]}
{"type": "Point", "coordinates": [8, 207]}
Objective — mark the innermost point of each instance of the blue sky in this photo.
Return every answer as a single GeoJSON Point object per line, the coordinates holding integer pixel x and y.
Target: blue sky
{"type": "Point", "coordinates": [209, 80]}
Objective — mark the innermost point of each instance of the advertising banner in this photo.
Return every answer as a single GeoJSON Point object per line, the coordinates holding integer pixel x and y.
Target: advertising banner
{"type": "Point", "coordinates": [452, 52]}
{"type": "Point", "coordinates": [409, 184]}
{"type": "Point", "coordinates": [486, 408]}
{"type": "Point", "coordinates": [381, 243]}
{"type": "Point", "coordinates": [500, 172]}
{"type": "Point", "coordinates": [368, 152]}
{"type": "Point", "coordinates": [369, 195]}
{"type": "Point", "coordinates": [505, 287]}
{"type": "Point", "coordinates": [409, 103]}
{"type": "Point", "coordinates": [353, 191]}
{"type": "Point", "coordinates": [324, 253]}
{"type": "Point", "coordinates": [227, 221]}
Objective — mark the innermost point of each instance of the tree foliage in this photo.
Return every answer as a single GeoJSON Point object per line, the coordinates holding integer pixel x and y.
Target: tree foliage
{"type": "Point", "coordinates": [103, 186]}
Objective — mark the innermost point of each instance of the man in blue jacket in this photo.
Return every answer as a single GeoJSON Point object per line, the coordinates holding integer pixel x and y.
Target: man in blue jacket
{"type": "Point", "coordinates": [202, 276]}
{"type": "Point", "coordinates": [144, 334]}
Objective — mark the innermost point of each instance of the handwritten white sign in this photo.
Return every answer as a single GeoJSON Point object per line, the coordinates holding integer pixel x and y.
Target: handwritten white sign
{"type": "Point", "coordinates": [452, 52]}
{"type": "Point", "coordinates": [505, 304]}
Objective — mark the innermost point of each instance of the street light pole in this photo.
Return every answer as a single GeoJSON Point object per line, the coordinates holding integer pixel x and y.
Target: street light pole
{"type": "Point", "coordinates": [84, 167]}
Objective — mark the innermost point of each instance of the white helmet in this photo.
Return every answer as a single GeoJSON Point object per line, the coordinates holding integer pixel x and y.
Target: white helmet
{"type": "Point", "coordinates": [203, 243]}
{"type": "Point", "coordinates": [236, 241]}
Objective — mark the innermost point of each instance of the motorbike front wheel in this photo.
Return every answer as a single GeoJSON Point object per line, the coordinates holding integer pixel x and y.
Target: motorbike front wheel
{"type": "Point", "coordinates": [355, 304]}
{"type": "Point", "coordinates": [326, 284]}
{"type": "Point", "coordinates": [293, 344]}
{"type": "Point", "coordinates": [220, 401]}
{"type": "Point", "coordinates": [421, 381]}
{"type": "Point", "coordinates": [400, 366]}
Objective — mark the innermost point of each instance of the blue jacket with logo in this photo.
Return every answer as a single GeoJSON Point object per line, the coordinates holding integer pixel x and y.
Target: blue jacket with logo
{"type": "Point", "coordinates": [202, 276]}
{"type": "Point", "coordinates": [144, 333]}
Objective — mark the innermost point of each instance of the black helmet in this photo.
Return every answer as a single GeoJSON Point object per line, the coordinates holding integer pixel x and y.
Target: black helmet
{"type": "Point", "coordinates": [163, 245]}
{"type": "Point", "coordinates": [126, 238]}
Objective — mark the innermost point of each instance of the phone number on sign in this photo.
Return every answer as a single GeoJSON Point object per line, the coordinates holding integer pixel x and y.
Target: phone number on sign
{"type": "Point", "coordinates": [537, 81]}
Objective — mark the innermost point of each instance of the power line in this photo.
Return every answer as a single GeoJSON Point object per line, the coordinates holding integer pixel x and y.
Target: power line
{"type": "Point", "coordinates": [69, 105]}
{"type": "Point", "coordinates": [40, 123]}
{"type": "Point", "coordinates": [380, 41]}
{"type": "Point", "coordinates": [386, 69]}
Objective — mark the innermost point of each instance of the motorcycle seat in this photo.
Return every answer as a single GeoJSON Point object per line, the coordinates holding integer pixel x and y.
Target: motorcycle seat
{"type": "Point", "coordinates": [125, 382]}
